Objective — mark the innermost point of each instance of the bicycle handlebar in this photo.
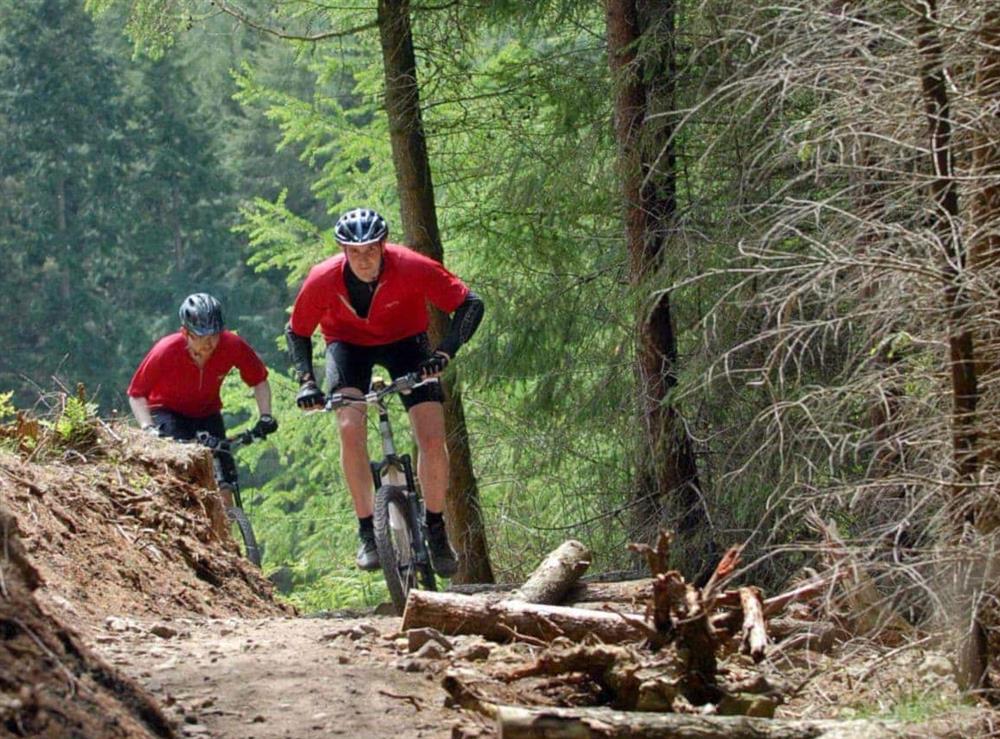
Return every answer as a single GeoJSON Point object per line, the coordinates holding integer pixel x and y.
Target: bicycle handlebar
{"type": "Point", "coordinates": [402, 384]}
{"type": "Point", "coordinates": [230, 443]}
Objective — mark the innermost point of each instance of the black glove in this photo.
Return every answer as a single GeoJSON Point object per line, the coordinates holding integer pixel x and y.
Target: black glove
{"type": "Point", "coordinates": [433, 365]}
{"type": "Point", "coordinates": [265, 425]}
{"type": "Point", "coordinates": [309, 396]}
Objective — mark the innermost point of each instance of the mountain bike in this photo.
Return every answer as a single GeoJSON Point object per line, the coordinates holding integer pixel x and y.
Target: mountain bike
{"type": "Point", "coordinates": [234, 513]}
{"type": "Point", "coordinates": [400, 530]}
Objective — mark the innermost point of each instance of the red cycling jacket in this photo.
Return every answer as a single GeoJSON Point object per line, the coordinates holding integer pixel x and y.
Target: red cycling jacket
{"type": "Point", "coordinates": [398, 308]}
{"type": "Point", "coordinates": [169, 378]}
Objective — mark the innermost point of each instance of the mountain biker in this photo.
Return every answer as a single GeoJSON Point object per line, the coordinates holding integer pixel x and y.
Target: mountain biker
{"type": "Point", "coordinates": [175, 391]}
{"type": "Point", "coordinates": [370, 302]}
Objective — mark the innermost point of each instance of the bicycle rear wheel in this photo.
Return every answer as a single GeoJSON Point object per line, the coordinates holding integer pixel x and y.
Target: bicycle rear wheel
{"type": "Point", "coordinates": [394, 541]}
{"type": "Point", "coordinates": [239, 518]}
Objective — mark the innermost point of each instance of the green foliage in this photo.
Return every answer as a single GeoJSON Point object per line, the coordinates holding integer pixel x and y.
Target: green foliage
{"type": "Point", "coordinates": [911, 706]}
{"type": "Point", "coordinates": [152, 24]}
{"type": "Point", "coordinates": [280, 238]}
{"type": "Point", "coordinates": [116, 205]}
{"type": "Point", "coordinates": [7, 408]}
{"type": "Point", "coordinates": [77, 422]}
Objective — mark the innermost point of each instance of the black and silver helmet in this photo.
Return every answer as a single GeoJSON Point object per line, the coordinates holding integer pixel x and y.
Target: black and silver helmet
{"type": "Point", "coordinates": [360, 227]}
{"type": "Point", "coordinates": [201, 314]}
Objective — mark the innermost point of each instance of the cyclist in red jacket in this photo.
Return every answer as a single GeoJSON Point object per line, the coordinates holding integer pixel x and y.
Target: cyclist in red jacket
{"type": "Point", "coordinates": [370, 303]}
{"type": "Point", "coordinates": [175, 391]}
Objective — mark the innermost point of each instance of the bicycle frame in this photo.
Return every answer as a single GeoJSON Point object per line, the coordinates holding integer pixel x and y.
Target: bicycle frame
{"type": "Point", "coordinates": [234, 512]}
{"type": "Point", "coordinates": [227, 447]}
{"type": "Point", "coordinates": [395, 469]}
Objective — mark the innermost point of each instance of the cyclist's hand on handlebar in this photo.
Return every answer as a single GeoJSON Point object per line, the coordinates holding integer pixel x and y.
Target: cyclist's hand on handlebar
{"type": "Point", "coordinates": [309, 396]}
{"type": "Point", "coordinates": [265, 425]}
{"type": "Point", "coordinates": [434, 365]}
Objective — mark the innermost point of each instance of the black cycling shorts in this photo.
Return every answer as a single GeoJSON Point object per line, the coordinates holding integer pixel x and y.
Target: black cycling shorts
{"type": "Point", "coordinates": [350, 365]}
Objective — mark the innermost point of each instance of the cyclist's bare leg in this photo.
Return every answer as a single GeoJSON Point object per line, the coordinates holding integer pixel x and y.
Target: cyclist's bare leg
{"type": "Point", "coordinates": [427, 420]}
{"type": "Point", "coordinates": [353, 427]}
{"type": "Point", "coordinates": [227, 494]}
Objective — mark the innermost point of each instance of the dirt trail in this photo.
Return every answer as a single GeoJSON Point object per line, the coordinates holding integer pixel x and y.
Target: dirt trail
{"type": "Point", "coordinates": [120, 554]}
{"type": "Point", "coordinates": [280, 677]}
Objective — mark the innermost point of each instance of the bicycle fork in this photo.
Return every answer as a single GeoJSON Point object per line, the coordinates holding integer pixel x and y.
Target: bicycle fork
{"type": "Point", "coordinates": [223, 484]}
{"type": "Point", "coordinates": [397, 470]}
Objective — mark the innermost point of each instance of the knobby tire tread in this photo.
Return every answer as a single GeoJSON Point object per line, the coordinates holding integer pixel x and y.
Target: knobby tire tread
{"type": "Point", "coordinates": [251, 550]}
{"type": "Point", "coordinates": [398, 590]}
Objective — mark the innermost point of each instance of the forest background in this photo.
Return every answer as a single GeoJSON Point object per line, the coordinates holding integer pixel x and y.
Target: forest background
{"type": "Point", "coordinates": [738, 260]}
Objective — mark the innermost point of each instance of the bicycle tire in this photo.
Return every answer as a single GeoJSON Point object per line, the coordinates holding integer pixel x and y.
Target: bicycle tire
{"type": "Point", "coordinates": [394, 544]}
{"type": "Point", "coordinates": [250, 549]}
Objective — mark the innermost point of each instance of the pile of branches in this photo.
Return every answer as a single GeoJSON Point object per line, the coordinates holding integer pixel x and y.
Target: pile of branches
{"type": "Point", "coordinates": [654, 671]}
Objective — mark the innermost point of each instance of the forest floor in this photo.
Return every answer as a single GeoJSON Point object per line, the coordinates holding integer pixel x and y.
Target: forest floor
{"type": "Point", "coordinates": [124, 613]}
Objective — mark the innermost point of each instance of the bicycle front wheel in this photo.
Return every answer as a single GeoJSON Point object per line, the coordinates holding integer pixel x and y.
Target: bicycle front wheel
{"type": "Point", "coordinates": [394, 540]}
{"type": "Point", "coordinates": [241, 523]}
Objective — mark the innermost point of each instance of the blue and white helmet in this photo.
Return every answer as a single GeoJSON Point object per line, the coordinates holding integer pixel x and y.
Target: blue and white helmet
{"type": "Point", "coordinates": [360, 227]}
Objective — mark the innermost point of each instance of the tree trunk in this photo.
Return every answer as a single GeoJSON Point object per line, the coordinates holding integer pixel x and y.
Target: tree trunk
{"type": "Point", "coordinates": [667, 477]}
{"type": "Point", "coordinates": [507, 620]}
{"type": "Point", "coordinates": [984, 242]}
{"type": "Point", "coordinates": [420, 228]}
{"type": "Point", "coordinates": [515, 722]}
{"type": "Point", "coordinates": [62, 228]}
{"type": "Point", "coordinates": [973, 654]}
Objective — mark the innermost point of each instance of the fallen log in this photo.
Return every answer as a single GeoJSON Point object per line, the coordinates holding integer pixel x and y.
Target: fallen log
{"type": "Point", "coordinates": [516, 722]}
{"type": "Point", "coordinates": [583, 591]}
{"type": "Point", "coordinates": [506, 620]}
{"type": "Point", "coordinates": [557, 573]}
{"type": "Point", "coordinates": [629, 591]}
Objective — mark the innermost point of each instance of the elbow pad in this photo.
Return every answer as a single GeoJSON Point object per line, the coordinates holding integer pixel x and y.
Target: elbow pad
{"type": "Point", "coordinates": [463, 324]}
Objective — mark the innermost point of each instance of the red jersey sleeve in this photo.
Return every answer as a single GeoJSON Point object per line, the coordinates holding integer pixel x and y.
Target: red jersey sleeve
{"type": "Point", "coordinates": [144, 379]}
{"type": "Point", "coordinates": [445, 291]}
{"type": "Point", "coordinates": [309, 304]}
{"type": "Point", "coordinates": [252, 370]}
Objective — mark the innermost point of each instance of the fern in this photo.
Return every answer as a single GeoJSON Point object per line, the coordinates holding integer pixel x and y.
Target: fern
{"type": "Point", "coordinates": [7, 409]}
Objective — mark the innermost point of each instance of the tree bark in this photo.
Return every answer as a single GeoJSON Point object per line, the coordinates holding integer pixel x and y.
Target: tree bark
{"type": "Point", "coordinates": [515, 722]}
{"type": "Point", "coordinates": [944, 213]}
{"type": "Point", "coordinates": [667, 475]}
{"type": "Point", "coordinates": [506, 620]}
{"type": "Point", "coordinates": [984, 241]}
{"type": "Point", "coordinates": [753, 637]}
{"type": "Point", "coordinates": [420, 228]}
{"type": "Point", "coordinates": [973, 654]}
{"type": "Point", "coordinates": [626, 591]}
{"type": "Point", "coordinates": [557, 573]}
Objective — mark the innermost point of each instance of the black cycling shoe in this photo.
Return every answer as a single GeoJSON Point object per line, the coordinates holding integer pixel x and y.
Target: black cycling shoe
{"type": "Point", "coordinates": [367, 559]}
{"type": "Point", "coordinates": [443, 557]}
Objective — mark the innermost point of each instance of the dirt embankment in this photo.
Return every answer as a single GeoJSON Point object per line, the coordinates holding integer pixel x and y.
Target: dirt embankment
{"type": "Point", "coordinates": [120, 525]}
